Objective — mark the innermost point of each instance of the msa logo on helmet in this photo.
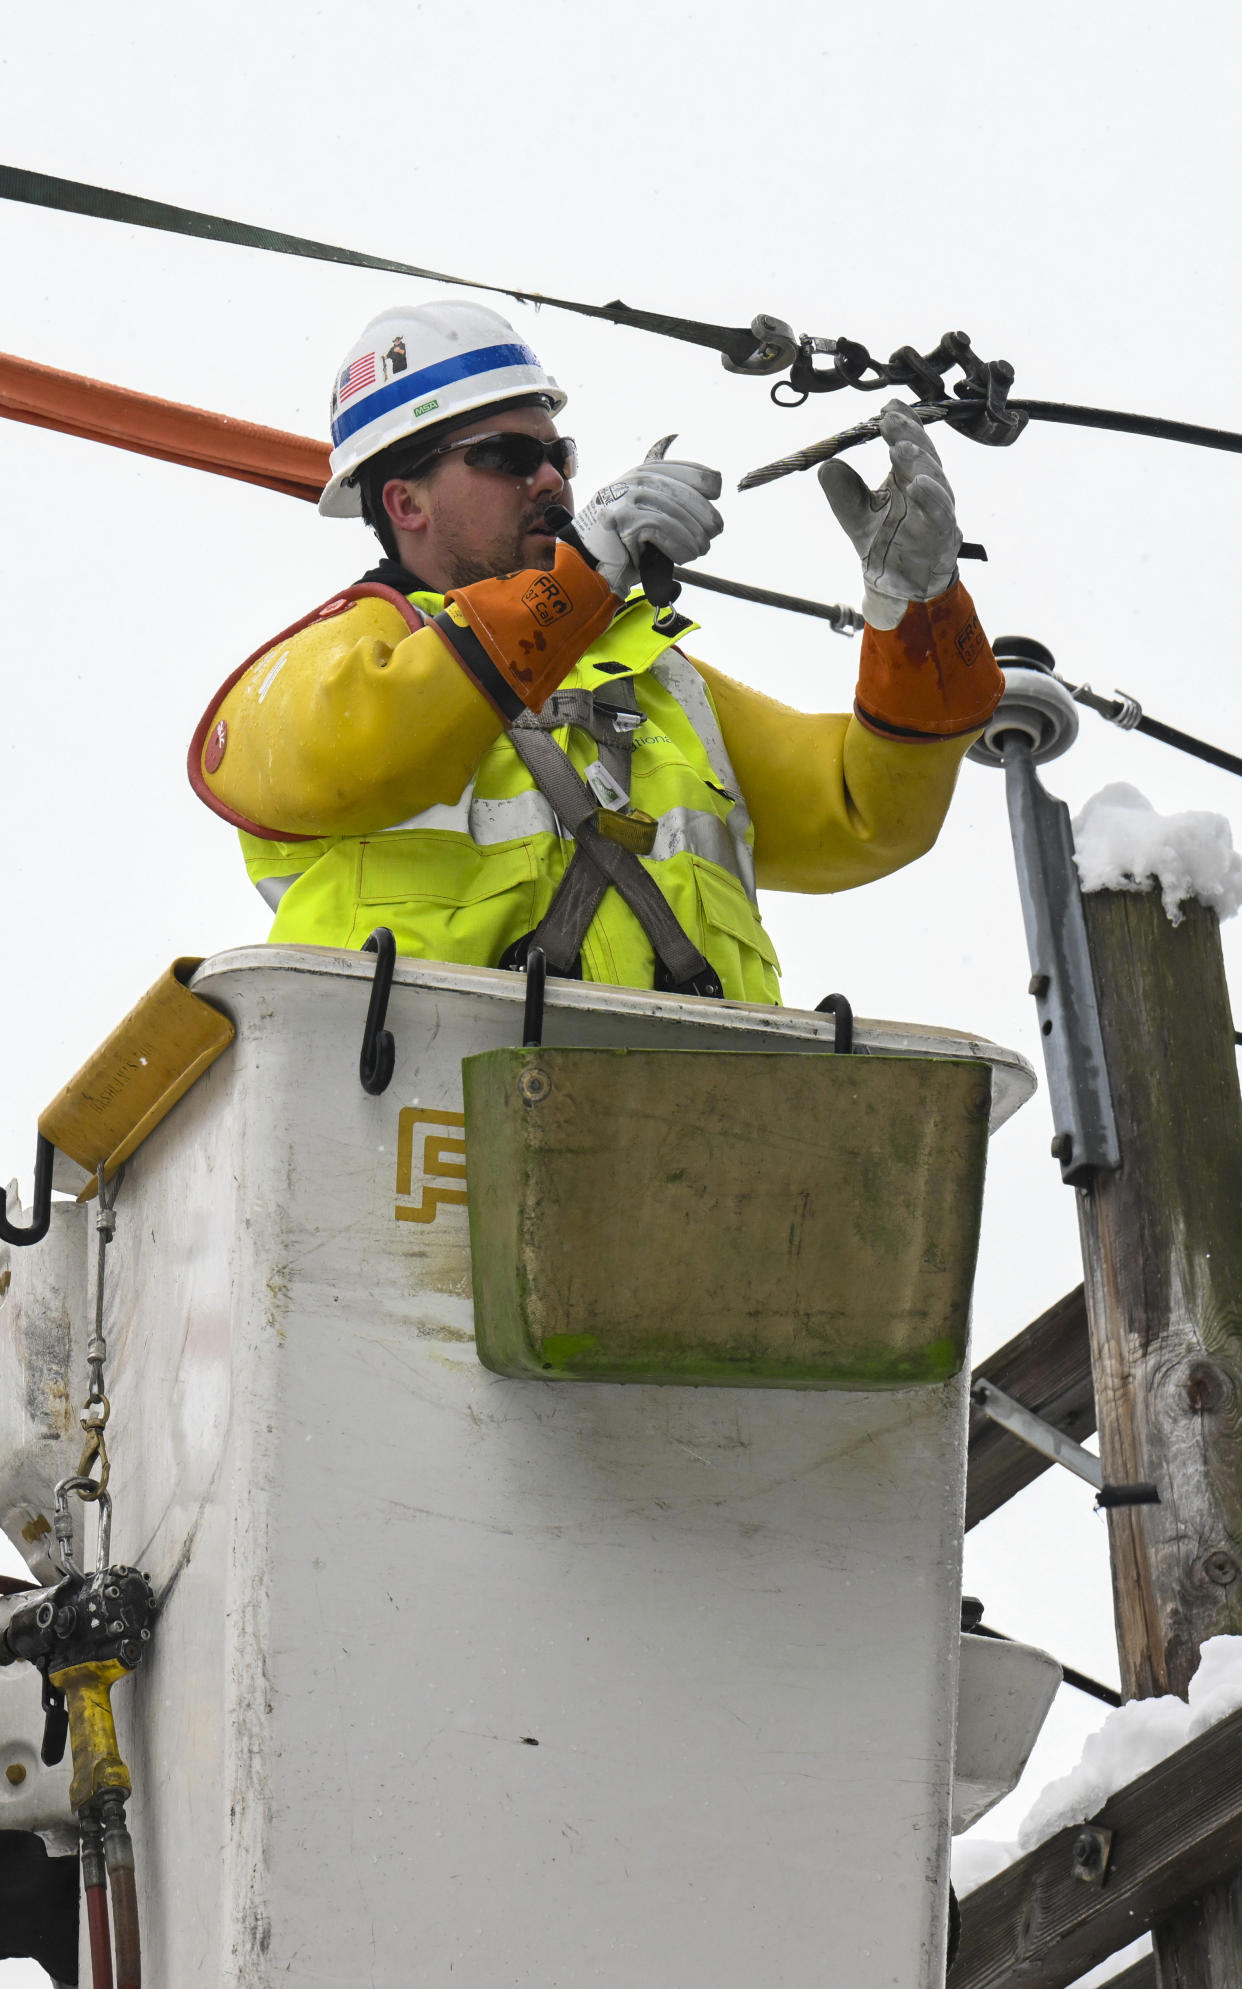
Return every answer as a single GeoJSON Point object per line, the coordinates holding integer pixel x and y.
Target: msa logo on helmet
{"type": "Point", "coordinates": [424, 407]}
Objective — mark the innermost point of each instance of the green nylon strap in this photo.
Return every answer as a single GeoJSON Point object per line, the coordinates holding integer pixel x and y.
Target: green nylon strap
{"type": "Point", "coordinates": [106, 204]}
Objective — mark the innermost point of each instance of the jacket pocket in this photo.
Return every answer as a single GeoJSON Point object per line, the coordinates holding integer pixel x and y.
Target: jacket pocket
{"type": "Point", "coordinates": [437, 867]}
{"type": "Point", "coordinates": [735, 941]}
{"type": "Point", "coordinates": [446, 898]}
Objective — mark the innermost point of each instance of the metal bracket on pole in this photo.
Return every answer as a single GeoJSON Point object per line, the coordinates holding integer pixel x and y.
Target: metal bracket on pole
{"type": "Point", "coordinates": [1051, 1442]}
{"type": "Point", "coordinates": [1061, 978]}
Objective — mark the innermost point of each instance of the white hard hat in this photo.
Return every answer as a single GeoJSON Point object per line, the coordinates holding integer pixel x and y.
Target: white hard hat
{"type": "Point", "coordinates": [414, 368]}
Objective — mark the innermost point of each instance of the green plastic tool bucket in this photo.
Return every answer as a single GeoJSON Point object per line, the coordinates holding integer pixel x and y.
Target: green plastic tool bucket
{"type": "Point", "coordinates": [778, 1220]}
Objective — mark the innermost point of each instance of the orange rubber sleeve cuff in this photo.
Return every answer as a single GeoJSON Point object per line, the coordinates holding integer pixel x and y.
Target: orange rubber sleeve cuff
{"type": "Point", "coordinates": [933, 676]}
{"type": "Point", "coordinates": [531, 627]}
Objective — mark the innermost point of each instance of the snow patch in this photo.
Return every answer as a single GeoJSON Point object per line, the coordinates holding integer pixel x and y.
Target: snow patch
{"type": "Point", "coordinates": [1122, 844]}
{"type": "Point", "coordinates": [978, 1859]}
{"type": "Point", "coordinates": [1108, 1971]}
{"type": "Point", "coordinates": [1133, 1738]}
{"type": "Point", "coordinates": [1130, 1740]}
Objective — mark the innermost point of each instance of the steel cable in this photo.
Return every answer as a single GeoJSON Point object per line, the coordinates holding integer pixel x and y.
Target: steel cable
{"type": "Point", "coordinates": [759, 348]}
{"type": "Point", "coordinates": [107, 204]}
{"type": "Point", "coordinates": [735, 344]}
{"type": "Point", "coordinates": [1063, 412]}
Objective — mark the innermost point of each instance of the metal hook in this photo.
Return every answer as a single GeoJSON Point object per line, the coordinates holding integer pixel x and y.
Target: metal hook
{"type": "Point", "coordinates": [41, 1212]}
{"type": "Point", "coordinates": [532, 1014]}
{"type": "Point", "coordinates": [843, 1036]}
{"type": "Point", "coordinates": [379, 1054]}
{"type": "Point", "coordinates": [773, 349]}
{"type": "Point", "coordinates": [62, 1525]}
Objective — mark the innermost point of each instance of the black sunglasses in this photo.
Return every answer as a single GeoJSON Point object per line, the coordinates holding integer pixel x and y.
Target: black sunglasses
{"type": "Point", "coordinates": [508, 453]}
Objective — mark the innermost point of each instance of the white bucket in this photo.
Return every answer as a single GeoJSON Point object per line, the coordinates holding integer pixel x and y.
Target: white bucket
{"type": "Point", "coordinates": [468, 1680]}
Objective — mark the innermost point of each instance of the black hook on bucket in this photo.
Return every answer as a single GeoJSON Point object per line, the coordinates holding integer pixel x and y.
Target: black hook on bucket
{"type": "Point", "coordinates": [843, 1038]}
{"type": "Point", "coordinates": [41, 1213]}
{"type": "Point", "coordinates": [379, 1054]}
{"type": "Point", "coordinates": [532, 1013]}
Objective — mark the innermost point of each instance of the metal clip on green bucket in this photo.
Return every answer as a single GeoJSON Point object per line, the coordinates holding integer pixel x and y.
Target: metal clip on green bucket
{"type": "Point", "coordinates": [706, 1218]}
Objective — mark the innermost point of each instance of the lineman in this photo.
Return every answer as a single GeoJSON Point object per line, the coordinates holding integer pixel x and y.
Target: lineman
{"type": "Point", "coordinates": [490, 741]}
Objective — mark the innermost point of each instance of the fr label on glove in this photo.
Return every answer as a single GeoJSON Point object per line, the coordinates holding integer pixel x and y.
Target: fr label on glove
{"type": "Point", "coordinates": [666, 505]}
{"type": "Point", "coordinates": [905, 532]}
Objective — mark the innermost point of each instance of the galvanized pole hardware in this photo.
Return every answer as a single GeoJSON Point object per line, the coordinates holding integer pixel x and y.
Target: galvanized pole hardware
{"type": "Point", "coordinates": [1036, 721]}
{"type": "Point", "coordinates": [1052, 1442]}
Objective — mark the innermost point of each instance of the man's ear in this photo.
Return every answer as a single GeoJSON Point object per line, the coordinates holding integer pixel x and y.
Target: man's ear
{"type": "Point", "coordinates": [402, 505]}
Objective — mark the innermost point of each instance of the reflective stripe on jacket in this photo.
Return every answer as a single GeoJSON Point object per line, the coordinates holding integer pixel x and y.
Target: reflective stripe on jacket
{"type": "Point", "coordinates": [462, 881]}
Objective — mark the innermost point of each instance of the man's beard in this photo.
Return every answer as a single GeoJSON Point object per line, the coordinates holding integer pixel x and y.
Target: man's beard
{"type": "Point", "coordinates": [465, 566]}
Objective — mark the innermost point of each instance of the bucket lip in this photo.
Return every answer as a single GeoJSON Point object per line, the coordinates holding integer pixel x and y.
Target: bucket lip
{"type": "Point", "coordinates": [239, 970]}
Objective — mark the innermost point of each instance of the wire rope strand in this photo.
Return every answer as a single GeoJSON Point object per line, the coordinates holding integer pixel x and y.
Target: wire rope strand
{"type": "Point", "coordinates": [108, 204]}
{"type": "Point", "coordinates": [1066, 413]}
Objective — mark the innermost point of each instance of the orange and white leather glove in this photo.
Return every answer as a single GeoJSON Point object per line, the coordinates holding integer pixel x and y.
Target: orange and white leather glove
{"type": "Point", "coordinates": [905, 532]}
{"type": "Point", "coordinates": [661, 504]}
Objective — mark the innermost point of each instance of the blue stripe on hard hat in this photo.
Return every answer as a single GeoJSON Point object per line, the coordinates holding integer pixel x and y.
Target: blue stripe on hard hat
{"type": "Point", "coordinates": [412, 386]}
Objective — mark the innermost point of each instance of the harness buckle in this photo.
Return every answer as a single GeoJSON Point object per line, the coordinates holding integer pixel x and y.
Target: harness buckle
{"type": "Point", "coordinates": [705, 982]}
{"type": "Point", "coordinates": [636, 832]}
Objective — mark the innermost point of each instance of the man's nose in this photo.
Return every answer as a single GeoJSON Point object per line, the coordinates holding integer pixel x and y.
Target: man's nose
{"type": "Point", "coordinates": [547, 481]}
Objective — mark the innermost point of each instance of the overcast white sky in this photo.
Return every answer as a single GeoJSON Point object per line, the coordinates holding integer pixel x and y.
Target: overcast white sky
{"type": "Point", "coordinates": [1059, 180]}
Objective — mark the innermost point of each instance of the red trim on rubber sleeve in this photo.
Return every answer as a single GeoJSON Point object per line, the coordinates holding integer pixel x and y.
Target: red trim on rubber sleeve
{"type": "Point", "coordinates": [366, 590]}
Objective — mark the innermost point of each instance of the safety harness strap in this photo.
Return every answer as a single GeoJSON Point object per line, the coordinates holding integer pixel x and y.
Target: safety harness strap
{"type": "Point", "coordinates": [598, 861]}
{"type": "Point", "coordinates": [581, 890]}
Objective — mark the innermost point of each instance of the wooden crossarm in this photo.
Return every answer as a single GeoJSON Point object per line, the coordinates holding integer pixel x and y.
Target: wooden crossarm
{"type": "Point", "coordinates": [1176, 1831]}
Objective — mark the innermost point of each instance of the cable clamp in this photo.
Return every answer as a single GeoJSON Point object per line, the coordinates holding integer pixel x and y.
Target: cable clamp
{"type": "Point", "coordinates": [1127, 711]}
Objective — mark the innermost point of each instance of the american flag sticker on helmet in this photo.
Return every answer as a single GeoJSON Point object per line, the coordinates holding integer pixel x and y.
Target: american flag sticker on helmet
{"type": "Point", "coordinates": [358, 374]}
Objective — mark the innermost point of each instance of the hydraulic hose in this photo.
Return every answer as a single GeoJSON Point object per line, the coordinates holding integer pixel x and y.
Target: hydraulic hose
{"type": "Point", "coordinates": [118, 1851]}
{"type": "Point", "coordinates": [125, 1920]}
{"type": "Point", "coordinates": [100, 1936]}
{"type": "Point", "coordinates": [95, 1886]}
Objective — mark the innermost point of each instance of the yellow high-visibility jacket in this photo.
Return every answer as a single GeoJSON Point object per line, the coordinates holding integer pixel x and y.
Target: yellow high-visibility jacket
{"type": "Point", "coordinates": [365, 761]}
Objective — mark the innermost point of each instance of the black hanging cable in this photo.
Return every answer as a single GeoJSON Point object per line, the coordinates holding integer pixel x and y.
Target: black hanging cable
{"type": "Point", "coordinates": [845, 621]}
{"type": "Point", "coordinates": [1078, 1679]}
{"type": "Point", "coordinates": [1126, 712]}
{"type": "Point", "coordinates": [766, 346]}
{"type": "Point", "coordinates": [956, 411]}
{"type": "Point", "coordinates": [740, 347]}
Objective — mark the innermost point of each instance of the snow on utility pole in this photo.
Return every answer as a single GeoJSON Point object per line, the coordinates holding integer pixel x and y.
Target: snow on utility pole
{"type": "Point", "coordinates": [1138, 1035]}
{"type": "Point", "coordinates": [1162, 1256]}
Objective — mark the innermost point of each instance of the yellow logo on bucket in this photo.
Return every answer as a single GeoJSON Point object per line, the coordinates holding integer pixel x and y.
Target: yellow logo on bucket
{"type": "Point", "coordinates": [436, 1165]}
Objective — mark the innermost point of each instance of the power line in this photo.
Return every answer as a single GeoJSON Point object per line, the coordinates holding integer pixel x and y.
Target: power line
{"type": "Point", "coordinates": [734, 343]}
{"type": "Point", "coordinates": [766, 346]}
{"type": "Point", "coordinates": [1128, 713]}
{"type": "Point", "coordinates": [845, 621]}
{"type": "Point", "coordinates": [754, 349]}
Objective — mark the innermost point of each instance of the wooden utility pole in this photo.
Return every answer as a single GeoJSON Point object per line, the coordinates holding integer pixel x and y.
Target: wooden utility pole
{"type": "Point", "coordinates": [1162, 1251]}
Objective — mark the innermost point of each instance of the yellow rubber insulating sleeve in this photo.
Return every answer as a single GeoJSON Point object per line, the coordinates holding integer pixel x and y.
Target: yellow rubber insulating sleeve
{"type": "Point", "coordinates": [348, 726]}
{"type": "Point", "coordinates": [97, 1764]}
{"type": "Point", "coordinates": [833, 804]}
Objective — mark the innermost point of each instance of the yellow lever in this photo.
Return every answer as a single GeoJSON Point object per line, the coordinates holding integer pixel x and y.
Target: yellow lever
{"type": "Point", "coordinates": [97, 1765]}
